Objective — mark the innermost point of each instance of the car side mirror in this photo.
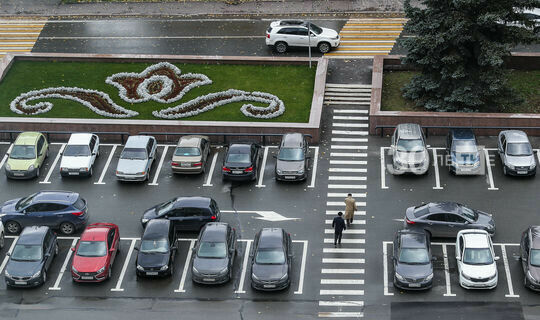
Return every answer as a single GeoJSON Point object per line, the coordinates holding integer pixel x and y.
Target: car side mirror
{"type": "Point", "coordinates": [112, 249]}
{"type": "Point", "coordinates": [458, 258]}
{"type": "Point", "coordinates": [497, 258]}
{"type": "Point", "coordinates": [93, 153]}
{"type": "Point", "coordinates": [433, 258]}
{"type": "Point", "coordinates": [524, 259]}
{"type": "Point", "coordinates": [8, 254]}
{"type": "Point", "coordinates": [62, 153]}
{"type": "Point", "coordinates": [274, 156]}
{"type": "Point", "coordinates": [47, 255]}
{"type": "Point", "coordinates": [136, 248]}
{"type": "Point", "coordinates": [174, 247]}
{"type": "Point", "coordinates": [73, 249]}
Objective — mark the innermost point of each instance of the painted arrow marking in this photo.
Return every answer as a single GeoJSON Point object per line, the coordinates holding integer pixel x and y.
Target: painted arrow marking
{"type": "Point", "coordinates": [264, 215]}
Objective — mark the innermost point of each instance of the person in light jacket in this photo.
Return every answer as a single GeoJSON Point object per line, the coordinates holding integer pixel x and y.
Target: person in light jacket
{"type": "Point", "coordinates": [350, 208]}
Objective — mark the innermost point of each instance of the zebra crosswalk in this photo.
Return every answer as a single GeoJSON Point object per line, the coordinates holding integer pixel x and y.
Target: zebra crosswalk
{"type": "Point", "coordinates": [368, 37]}
{"type": "Point", "coordinates": [343, 273]}
{"type": "Point", "coordinates": [19, 36]}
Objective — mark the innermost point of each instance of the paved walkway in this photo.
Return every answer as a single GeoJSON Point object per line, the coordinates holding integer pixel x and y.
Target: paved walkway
{"type": "Point", "coordinates": [198, 8]}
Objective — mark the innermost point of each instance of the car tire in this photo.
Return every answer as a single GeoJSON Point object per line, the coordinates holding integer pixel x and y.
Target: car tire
{"type": "Point", "coordinates": [43, 276]}
{"type": "Point", "coordinates": [505, 172]}
{"type": "Point", "coordinates": [91, 171]}
{"type": "Point", "coordinates": [280, 47]}
{"type": "Point", "coordinates": [2, 240]}
{"type": "Point", "coordinates": [147, 177]}
{"type": "Point", "coordinates": [56, 250]}
{"type": "Point", "coordinates": [37, 172]}
{"type": "Point", "coordinates": [324, 47]}
{"type": "Point", "coordinates": [429, 234]}
{"type": "Point", "coordinates": [109, 273]}
{"type": "Point", "coordinates": [67, 228]}
{"type": "Point", "coordinates": [47, 153]}
{"type": "Point", "coordinates": [171, 270]}
{"type": "Point", "coordinates": [13, 227]}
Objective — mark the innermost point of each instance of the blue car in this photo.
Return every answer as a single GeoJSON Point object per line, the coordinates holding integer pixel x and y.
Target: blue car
{"type": "Point", "coordinates": [63, 210]}
{"type": "Point", "coordinates": [463, 153]}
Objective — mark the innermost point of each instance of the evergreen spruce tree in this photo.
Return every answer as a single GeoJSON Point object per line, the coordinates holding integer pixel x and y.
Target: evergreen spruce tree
{"type": "Point", "coordinates": [460, 46]}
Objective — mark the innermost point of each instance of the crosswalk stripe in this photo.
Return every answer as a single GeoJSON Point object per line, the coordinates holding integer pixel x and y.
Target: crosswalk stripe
{"type": "Point", "coordinates": [360, 241]}
{"type": "Point", "coordinates": [350, 111]}
{"type": "Point", "coordinates": [341, 314]}
{"type": "Point", "coordinates": [343, 250]}
{"type": "Point", "coordinates": [351, 154]}
{"type": "Point", "coordinates": [343, 271]}
{"type": "Point", "coordinates": [342, 292]}
{"type": "Point", "coordinates": [19, 35]}
{"type": "Point", "coordinates": [346, 178]}
{"type": "Point", "coordinates": [349, 140]}
{"type": "Point", "coordinates": [350, 125]}
{"type": "Point", "coordinates": [352, 118]}
{"type": "Point", "coordinates": [343, 260]}
{"type": "Point", "coordinates": [340, 203]}
{"type": "Point", "coordinates": [348, 231]}
{"type": "Point", "coordinates": [360, 170]}
{"type": "Point", "coordinates": [347, 186]}
{"type": "Point", "coordinates": [342, 281]}
{"type": "Point", "coordinates": [348, 303]}
{"type": "Point", "coordinates": [334, 212]}
{"type": "Point", "coordinates": [356, 221]}
{"type": "Point", "coordinates": [344, 195]}
{"type": "Point", "coordinates": [359, 162]}
{"type": "Point", "coordinates": [343, 147]}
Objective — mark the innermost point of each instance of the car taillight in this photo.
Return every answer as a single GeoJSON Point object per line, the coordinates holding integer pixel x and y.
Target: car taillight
{"type": "Point", "coordinates": [268, 35]}
{"type": "Point", "coordinates": [409, 221]}
{"type": "Point", "coordinates": [197, 164]}
{"type": "Point", "coordinates": [176, 164]}
{"type": "Point", "coordinates": [248, 169]}
{"type": "Point", "coordinates": [226, 169]}
{"type": "Point", "coordinates": [213, 217]}
{"type": "Point", "coordinates": [78, 213]}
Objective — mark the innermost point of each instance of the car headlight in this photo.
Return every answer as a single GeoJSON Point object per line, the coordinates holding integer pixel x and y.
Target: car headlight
{"type": "Point", "coordinates": [532, 166]}
{"type": "Point", "coordinates": [428, 278]}
{"type": "Point", "coordinates": [254, 276]}
{"type": "Point", "coordinates": [63, 169]}
{"type": "Point", "coordinates": [165, 267]}
{"type": "Point", "coordinates": [31, 167]}
{"type": "Point", "coordinates": [140, 268]}
{"type": "Point", "coordinates": [222, 272]}
{"type": "Point", "coordinates": [301, 171]}
{"type": "Point", "coordinates": [8, 167]}
{"type": "Point", "coordinates": [511, 167]}
{"type": "Point", "coordinates": [398, 162]}
{"type": "Point", "coordinates": [37, 274]}
{"type": "Point", "coordinates": [101, 270]}
{"type": "Point", "coordinates": [279, 171]}
{"type": "Point", "coordinates": [144, 220]}
{"type": "Point", "coordinates": [529, 276]}
{"type": "Point", "coordinates": [399, 277]}
{"type": "Point", "coordinates": [74, 270]}
{"type": "Point", "coordinates": [142, 173]}
{"type": "Point", "coordinates": [83, 169]}
{"type": "Point", "coordinates": [194, 270]}
{"type": "Point", "coordinates": [465, 276]}
{"type": "Point", "coordinates": [119, 172]}
{"type": "Point", "coordinates": [285, 276]}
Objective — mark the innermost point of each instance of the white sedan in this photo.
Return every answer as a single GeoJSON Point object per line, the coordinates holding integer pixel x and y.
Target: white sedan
{"type": "Point", "coordinates": [476, 260]}
{"type": "Point", "coordinates": [79, 155]}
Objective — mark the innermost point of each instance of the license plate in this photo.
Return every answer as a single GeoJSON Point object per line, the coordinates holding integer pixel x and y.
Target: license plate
{"type": "Point", "coordinates": [18, 174]}
{"type": "Point", "coordinates": [73, 173]}
{"type": "Point", "coordinates": [269, 286]}
{"type": "Point", "coordinates": [21, 282]}
{"type": "Point", "coordinates": [466, 169]}
{"type": "Point", "coordinates": [151, 273]}
{"type": "Point", "coordinates": [289, 177]}
{"type": "Point", "coordinates": [185, 164]}
{"type": "Point", "coordinates": [522, 172]}
{"type": "Point", "coordinates": [87, 278]}
{"type": "Point", "coordinates": [237, 171]}
{"type": "Point", "coordinates": [209, 279]}
{"type": "Point", "coordinates": [414, 285]}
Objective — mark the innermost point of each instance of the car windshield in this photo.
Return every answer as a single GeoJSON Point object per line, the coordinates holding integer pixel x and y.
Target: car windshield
{"type": "Point", "coordinates": [535, 257]}
{"type": "Point", "coordinates": [77, 151]}
{"type": "Point", "coordinates": [187, 151]}
{"type": "Point", "coordinates": [23, 152]}
{"type": "Point", "coordinates": [469, 213]}
{"type": "Point", "coordinates": [291, 154]}
{"type": "Point", "coordinates": [316, 29]}
{"type": "Point", "coordinates": [518, 149]}
{"type": "Point", "coordinates": [154, 246]}
{"type": "Point", "coordinates": [477, 256]}
{"type": "Point", "coordinates": [410, 145]}
{"type": "Point", "coordinates": [24, 252]}
{"type": "Point", "coordinates": [413, 256]}
{"type": "Point", "coordinates": [92, 249]}
{"type": "Point", "coordinates": [209, 249]}
{"type": "Point", "coordinates": [164, 208]}
{"type": "Point", "coordinates": [270, 256]}
{"type": "Point", "coordinates": [24, 202]}
{"type": "Point", "coordinates": [133, 154]}
{"type": "Point", "coordinates": [238, 158]}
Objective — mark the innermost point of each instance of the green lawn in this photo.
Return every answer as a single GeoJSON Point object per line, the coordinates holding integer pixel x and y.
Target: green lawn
{"type": "Point", "coordinates": [526, 84]}
{"type": "Point", "coordinates": [292, 84]}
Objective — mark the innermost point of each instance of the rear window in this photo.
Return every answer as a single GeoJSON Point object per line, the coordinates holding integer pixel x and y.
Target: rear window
{"type": "Point", "coordinates": [421, 211]}
{"type": "Point", "coordinates": [80, 203]}
{"type": "Point", "coordinates": [133, 154]}
{"type": "Point", "coordinates": [187, 151]}
{"type": "Point", "coordinates": [238, 158]}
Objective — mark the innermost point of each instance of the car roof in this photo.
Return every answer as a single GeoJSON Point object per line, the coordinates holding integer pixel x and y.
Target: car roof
{"type": "Point", "coordinates": [156, 229]}
{"type": "Point", "coordinates": [515, 136]}
{"type": "Point", "coordinates": [80, 138]}
{"type": "Point", "coordinates": [96, 232]}
{"type": "Point", "coordinates": [239, 147]}
{"type": "Point", "coordinates": [475, 238]}
{"type": "Point", "coordinates": [409, 131]}
{"type": "Point", "coordinates": [137, 141]}
{"type": "Point", "coordinates": [190, 141]}
{"type": "Point", "coordinates": [292, 140]}
{"type": "Point", "coordinates": [535, 237]}
{"type": "Point", "coordinates": [451, 207]}
{"type": "Point", "coordinates": [193, 202]}
{"type": "Point", "coordinates": [271, 238]}
{"type": "Point", "coordinates": [32, 235]}
{"type": "Point", "coordinates": [56, 196]}
{"type": "Point", "coordinates": [27, 138]}
{"type": "Point", "coordinates": [462, 134]}
{"type": "Point", "coordinates": [412, 239]}
{"type": "Point", "coordinates": [214, 232]}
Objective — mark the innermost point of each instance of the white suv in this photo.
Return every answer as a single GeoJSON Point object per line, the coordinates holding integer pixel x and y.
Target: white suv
{"type": "Point", "coordinates": [294, 33]}
{"type": "Point", "coordinates": [476, 260]}
{"type": "Point", "coordinates": [79, 155]}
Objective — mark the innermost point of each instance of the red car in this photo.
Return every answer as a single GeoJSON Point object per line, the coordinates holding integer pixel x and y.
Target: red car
{"type": "Point", "coordinates": [95, 253]}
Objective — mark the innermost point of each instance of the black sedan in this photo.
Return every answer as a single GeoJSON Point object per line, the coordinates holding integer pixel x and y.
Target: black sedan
{"type": "Point", "coordinates": [446, 219]}
{"type": "Point", "coordinates": [31, 257]}
{"type": "Point", "coordinates": [271, 260]}
{"type": "Point", "coordinates": [241, 163]}
{"type": "Point", "coordinates": [530, 257]}
{"type": "Point", "coordinates": [413, 268]}
{"type": "Point", "coordinates": [213, 257]}
{"type": "Point", "coordinates": [158, 249]}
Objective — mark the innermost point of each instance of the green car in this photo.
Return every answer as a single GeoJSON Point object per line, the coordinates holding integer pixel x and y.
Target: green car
{"type": "Point", "coordinates": [27, 155]}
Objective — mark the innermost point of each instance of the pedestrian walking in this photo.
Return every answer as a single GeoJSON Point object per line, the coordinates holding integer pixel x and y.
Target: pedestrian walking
{"type": "Point", "coordinates": [339, 225]}
{"type": "Point", "coordinates": [350, 208]}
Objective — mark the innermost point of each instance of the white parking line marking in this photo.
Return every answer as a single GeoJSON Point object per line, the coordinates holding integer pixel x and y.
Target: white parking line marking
{"type": "Point", "coordinates": [537, 155]}
{"type": "Point", "coordinates": [385, 269]}
{"type": "Point", "coordinates": [186, 265]}
{"type": "Point", "coordinates": [511, 293]}
{"type": "Point", "coordinates": [341, 314]}
{"type": "Point", "coordinates": [208, 182]}
{"type": "Point", "coordinates": [343, 260]}
{"type": "Point", "coordinates": [490, 175]}
{"type": "Point", "coordinates": [302, 267]}
{"type": "Point", "coordinates": [342, 203]}
{"type": "Point", "coordinates": [124, 267]}
{"type": "Point", "coordinates": [350, 133]}
{"type": "Point", "coordinates": [360, 170]}
{"type": "Point", "coordinates": [348, 154]}
{"type": "Point", "coordinates": [348, 147]}
{"type": "Point", "coordinates": [436, 167]}
{"type": "Point", "coordinates": [342, 281]}
{"type": "Point", "coordinates": [343, 271]}
{"type": "Point", "coordinates": [350, 111]}
{"type": "Point", "coordinates": [331, 240]}
{"type": "Point", "coordinates": [343, 250]}
{"type": "Point", "coordinates": [100, 181]}
{"type": "Point", "coordinates": [347, 186]}
{"type": "Point", "coordinates": [353, 140]}
{"type": "Point", "coordinates": [4, 159]}
{"type": "Point", "coordinates": [261, 172]}
{"type": "Point", "coordinates": [344, 195]}
{"type": "Point", "coordinates": [342, 292]}
{"type": "Point", "coordinates": [156, 175]}
{"type": "Point", "coordinates": [348, 231]}
{"type": "Point", "coordinates": [349, 303]}
{"type": "Point", "coordinates": [53, 166]}
{"type": "Point", "coordinates": [314, 169]}
{"type": "Point", "coordinates": [347, 178]}
{"type": "Point", "coordinates": [353, 118]}
{"type": "Point", "coordinates": [6, 258]}
{"type": "Point", "coordinates": [64, 266]}
{"type": "Point", "coordinates": [357, 162]}
{"type": "Point", "coordinates": [383, 168]}
{"type": "Point", "coordinates": [447, 273]}
{"type": "Point", "coordinates": [351, 125]}
{"type": "Point", "coordinates": [244, 267]}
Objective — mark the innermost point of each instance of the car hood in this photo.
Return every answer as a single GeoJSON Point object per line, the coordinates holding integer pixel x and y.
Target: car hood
{"type": "Point", "coordinates": [268, 272]}
{"type": "Point", "coordinates": [410, 157]}
{"type": "Point", "coordinates": [479, 271]}
{"type": "Point", "coordinates": [9, 206]}
{"type": "Point", "coordinates": [520, 161]}
{"type": "Point", "coordinates": [328, 33]}
{"type": "Point", "coordinates": [75, 162]}
{"type": "Point", "coordinates": [289, 165]}
{"type": "Point", "coordinates": [414, 271]}
{"type": "Point", "coordinates": [20, 164]}
{"type": "Point", "coordinates": [131, 166]}
{"type": "Point", "coordinates": [23, 268]}
{"type": "Point", "coordinates": [152, 260]}
{"type": "Point", "coordinates": [535, 272]}
{"type": "Point", "coordinates": [206, 265]}
{"type": "Point", "coordinates": [89, 264]}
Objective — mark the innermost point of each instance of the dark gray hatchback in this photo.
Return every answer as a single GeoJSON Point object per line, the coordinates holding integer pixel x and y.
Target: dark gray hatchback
{"type": "Point", "coordinates": [413, 268]}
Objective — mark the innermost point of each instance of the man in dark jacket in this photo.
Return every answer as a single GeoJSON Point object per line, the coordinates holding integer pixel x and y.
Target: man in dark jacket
{"type": "Point", "coordinates": [339, 225]}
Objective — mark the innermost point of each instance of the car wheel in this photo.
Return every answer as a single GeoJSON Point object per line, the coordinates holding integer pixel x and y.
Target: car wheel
{"type": "Point", "coordinates": [171, 269]}
{"type": "Point", "coordinates": [147, 177]}
{"type": "Point", "coordinates": [13, 227]}
{"type": "Point", "coordinates": [280, 47]}
{"type": "Point", "coordinates": [429, 234]}
{"type": "Point", "coordinates": [505, 172]}
{"type": "Point", "coordinates": [109, 274]}
{"type": "Point", "coordinates": [2, 240]}
{"type": "Point", "coordinates": [67, 228]}
{"type": "Point", "coordinates": [91, 172]}
{"type": "Point", "coordinates": [43, 276]}
{"type": "Point", "coordinates": [37, 172]}
{"type": "Point", "coordinates": [56, 250]}
{"type": "Point", "coordinates": [47, 153]}
{"type": "Point", "coordinates": [324, 47]}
